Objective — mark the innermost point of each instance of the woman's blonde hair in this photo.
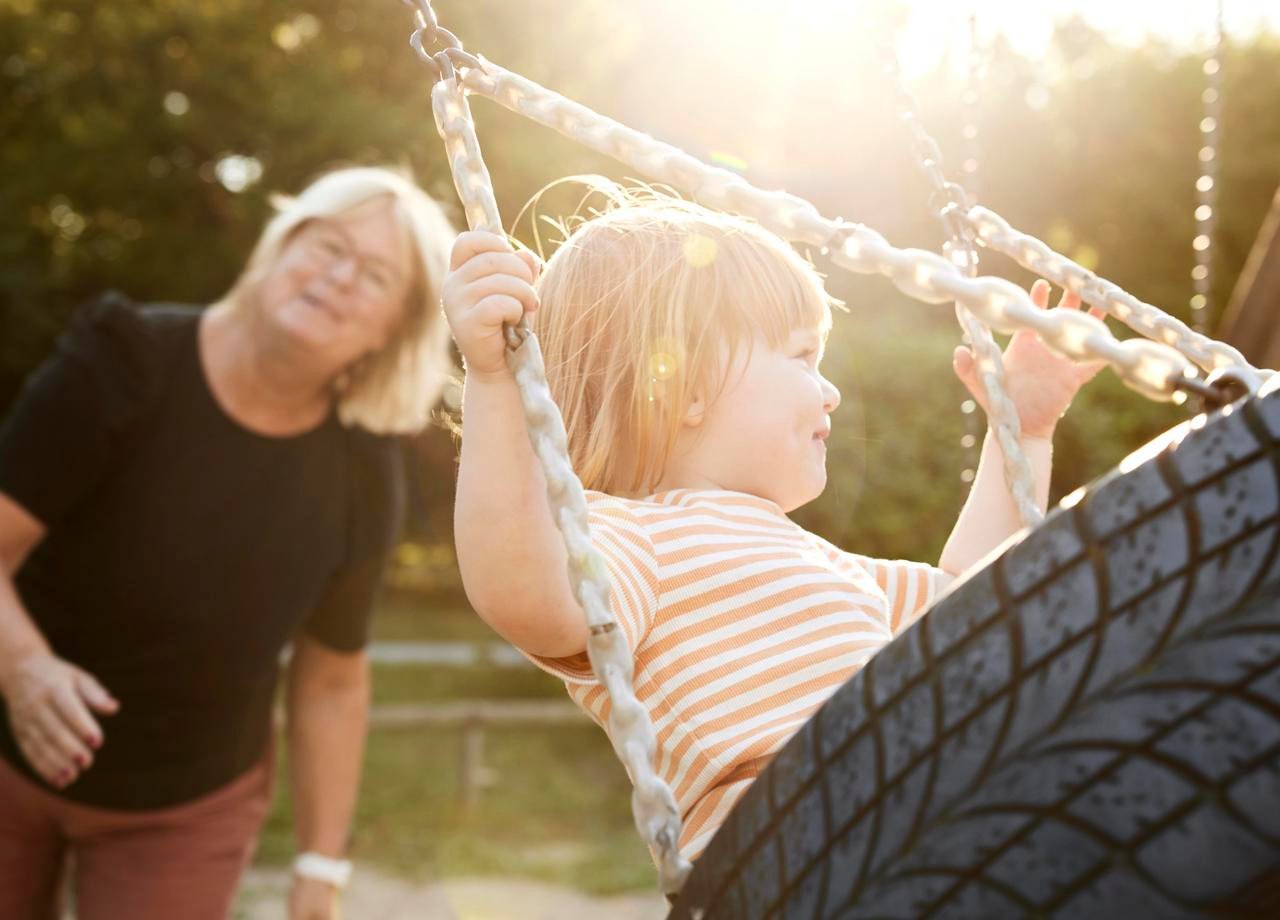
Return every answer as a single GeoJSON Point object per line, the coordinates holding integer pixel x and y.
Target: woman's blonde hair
{"type": "Point", "coordinates": [644, 304]}
{"type": "Point", "coordinates": [394, 390]}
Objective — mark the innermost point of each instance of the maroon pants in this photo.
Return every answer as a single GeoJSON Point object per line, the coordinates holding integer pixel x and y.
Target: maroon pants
{"type": "Point", "coordinates": [164, 864]}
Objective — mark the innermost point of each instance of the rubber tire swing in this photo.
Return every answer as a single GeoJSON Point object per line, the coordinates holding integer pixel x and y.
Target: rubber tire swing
{"type": "Point", "coordinates": [1090, 727]}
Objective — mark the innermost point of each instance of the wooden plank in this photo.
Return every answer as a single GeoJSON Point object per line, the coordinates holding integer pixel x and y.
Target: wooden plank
{"type": "Point", "coordinates": [486, 712]}
{"type": "Point", "coordinates": [1251, 321]}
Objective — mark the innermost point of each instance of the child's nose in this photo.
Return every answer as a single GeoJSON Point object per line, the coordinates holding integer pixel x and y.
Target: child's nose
{"type": "Point", "coordinates": [830, 396]}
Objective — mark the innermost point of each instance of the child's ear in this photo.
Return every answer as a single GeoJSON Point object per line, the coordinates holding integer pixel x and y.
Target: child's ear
{"type": "Point", "coordinates": [695, 411]}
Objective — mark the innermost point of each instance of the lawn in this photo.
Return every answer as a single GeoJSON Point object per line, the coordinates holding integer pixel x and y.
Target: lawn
{"type": "Point", "coordinates": [559, 806]}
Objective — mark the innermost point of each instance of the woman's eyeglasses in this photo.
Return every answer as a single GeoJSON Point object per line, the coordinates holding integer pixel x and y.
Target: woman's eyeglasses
{"type": "Point", "coordinates": [327, 245]}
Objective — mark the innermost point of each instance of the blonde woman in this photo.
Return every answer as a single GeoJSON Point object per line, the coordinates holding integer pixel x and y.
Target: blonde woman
{"type": "Point", "coordinates": [182, 493]}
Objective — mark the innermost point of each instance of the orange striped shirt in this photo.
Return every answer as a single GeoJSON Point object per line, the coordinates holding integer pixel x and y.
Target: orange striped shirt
{"type": "Point", "coordinates": [742, 624]}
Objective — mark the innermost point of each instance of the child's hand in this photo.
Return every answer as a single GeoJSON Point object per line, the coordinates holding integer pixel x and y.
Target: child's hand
{"type": "Point", "coordinates": [489, 284]}
{"type": "Point", "coordinates": [1040, 382]}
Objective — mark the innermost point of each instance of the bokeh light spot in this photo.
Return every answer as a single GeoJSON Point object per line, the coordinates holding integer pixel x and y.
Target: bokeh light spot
{"type": "Point", "coordinates": [176, 103]}
{"type": "Point", "coordinates": [699, 250]}
{"type": "Point", "coordinates": [237, 173]}
{"type": "Point", "coordinates": [662, 366]}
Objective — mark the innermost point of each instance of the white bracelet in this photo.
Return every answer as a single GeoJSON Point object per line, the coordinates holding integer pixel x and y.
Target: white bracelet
{"type": "Point", "coordinates": [337, 872]}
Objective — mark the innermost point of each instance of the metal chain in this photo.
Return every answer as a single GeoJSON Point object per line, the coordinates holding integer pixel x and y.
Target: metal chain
{"type": "Point", "coordinates": [1207, 182]}
{"type": "Point", "coordinates": [1150, 368]}
{"type": "Point", "coordinates": [1144, 318]}
{"type": "Point", "coordinates": [973, 425]}
{"type": "Point", "coordinates": [950, 201]}
{"type": "Point", "coordinates": [631, 730]}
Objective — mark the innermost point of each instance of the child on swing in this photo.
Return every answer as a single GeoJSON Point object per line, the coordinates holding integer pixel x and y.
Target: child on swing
{"type": "Point", "coordinates": [684, 348]}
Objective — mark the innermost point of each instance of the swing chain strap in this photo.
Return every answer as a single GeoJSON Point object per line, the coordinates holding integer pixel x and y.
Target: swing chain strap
{"type": "Point", "coordinates": [449, 56]}
{"type": "Point", "coordinates": [1147, 367]}
{"type": "Point", "coordinates": [631, 730]}
{"type": "Point", "coordinates": [1144, 318]}
{"type": "Point", "coordinates": [946, 197]}
{"type": "Point", "coordinates": [949, 199]}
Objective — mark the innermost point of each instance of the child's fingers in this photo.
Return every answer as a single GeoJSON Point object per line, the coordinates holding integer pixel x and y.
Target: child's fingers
{"type": "Point", "coordinates": [484, 264]}
{"type": "Point", "coordinates": [499, 309]}
{"type": "Point", "coordinates": [472, 243]}
{"type": "Point", "coordinates": [531, 259]}
{"type": "Point", "coordinates": [1070, 300]}
{"type": "Point", "coordinates": [963, 364]}
{"type": "Point", "coordinates": [504, 286]}
{"type": "Point", "coordinates": [1040, 293]}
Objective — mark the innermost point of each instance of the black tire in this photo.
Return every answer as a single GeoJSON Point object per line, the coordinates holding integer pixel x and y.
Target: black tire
{"type": "Point", "coordinates": [1090, 727]}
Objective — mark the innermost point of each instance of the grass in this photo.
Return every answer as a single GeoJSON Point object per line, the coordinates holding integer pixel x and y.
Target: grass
{"type": "Point", "coordinates": [558, 810]}
{"type": "Point", "coordinates": [420, 684]}
{"type": "Point", "coordinates": [405, 616]}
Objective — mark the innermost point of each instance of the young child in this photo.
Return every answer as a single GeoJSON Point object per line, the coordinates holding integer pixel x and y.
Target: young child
{"type": "Point", "coordinates": [683, 347]}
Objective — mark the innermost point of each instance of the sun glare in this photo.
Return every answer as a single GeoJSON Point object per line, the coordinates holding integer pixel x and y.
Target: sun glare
{"type": "Point", "coordinates": [934, 31]}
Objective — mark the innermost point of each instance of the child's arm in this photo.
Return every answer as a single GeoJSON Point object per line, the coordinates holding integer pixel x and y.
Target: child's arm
{"type": "Point", "coordinates": [510, 553]}
{"type": "Point", "coordinates": [1041, 384]}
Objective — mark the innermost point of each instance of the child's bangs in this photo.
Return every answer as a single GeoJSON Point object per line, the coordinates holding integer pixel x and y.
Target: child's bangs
{"type": "Point", "coordinates": [774, 289]}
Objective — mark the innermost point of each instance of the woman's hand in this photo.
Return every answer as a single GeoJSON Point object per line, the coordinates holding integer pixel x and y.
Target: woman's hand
{"type": "Point", "coordinates": [50, 703]}
{"type": "Point", "coordinates": [1040, 382]}
{"type": "Point", "coordinates": [312, 899]}
{"type": "Point", "coordinates": [489, 285]}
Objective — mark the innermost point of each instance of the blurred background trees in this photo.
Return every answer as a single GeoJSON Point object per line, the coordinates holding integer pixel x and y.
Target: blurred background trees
{"type": "Point", "coordinates": [141, 143]}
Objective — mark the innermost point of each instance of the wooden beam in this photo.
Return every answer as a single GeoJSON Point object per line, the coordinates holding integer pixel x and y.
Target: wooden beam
{"type": "Point", "coordinates": [1252, 319]}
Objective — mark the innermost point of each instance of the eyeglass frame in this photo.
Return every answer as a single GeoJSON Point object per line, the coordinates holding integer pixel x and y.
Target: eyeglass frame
{"type": "Point", "coordinates": [346, 250]}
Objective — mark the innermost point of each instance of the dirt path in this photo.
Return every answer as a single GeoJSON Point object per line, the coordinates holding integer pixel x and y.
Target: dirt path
{"type": "Point", "coordinates": [373, 896]}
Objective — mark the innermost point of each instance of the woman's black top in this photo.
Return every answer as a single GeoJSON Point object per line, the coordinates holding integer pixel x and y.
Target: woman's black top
{"type": "Point", "coordinates": [183, 551]}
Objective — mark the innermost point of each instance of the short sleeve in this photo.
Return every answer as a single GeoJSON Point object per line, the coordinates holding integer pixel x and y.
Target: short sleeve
{"type": "Point", "coordinates": [909, 587]}
{"type": "Point", "coordinates": [76, 412]}
{"type": "Point", "coordinates": [375, 511]}
{"type": "Point", "coordinates": [629, 556]}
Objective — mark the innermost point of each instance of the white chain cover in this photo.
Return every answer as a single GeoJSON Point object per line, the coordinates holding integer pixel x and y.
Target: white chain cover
{"type": "Point", "coordinates": [630, 728]}
{"type": "Point", "coordinates": [1144, 318]}
{"type": "Point", "coordinates": [1148, 367]}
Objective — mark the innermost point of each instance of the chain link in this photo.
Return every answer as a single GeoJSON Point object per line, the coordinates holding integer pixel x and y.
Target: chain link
{"type": "Point", "coordinates": [1206, 213]}
{"type": "Point", "coordinates": [1150, 368]}
{"type": "Point", "coordinates": [1144, 318]}
{"type": "Point", "coordinates": [631, 730]}
{"type": "Point", "coordinates": [949, 202]}
{"type": "Point", "coordinates": [973, 422]}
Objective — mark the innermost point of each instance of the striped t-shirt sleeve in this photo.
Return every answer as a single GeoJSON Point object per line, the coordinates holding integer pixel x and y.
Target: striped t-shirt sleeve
{"type": "Point", "coordinates": [910, 587]}
{"type": "Point", "coordinates": [632, 564]}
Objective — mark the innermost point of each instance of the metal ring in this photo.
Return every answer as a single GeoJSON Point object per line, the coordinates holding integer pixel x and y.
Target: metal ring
{"type": "Point", "coordinates": [516, 335]}
{"type": "Point", "coordinates": [423, 8]}
{"type": "Point", "coordinates": [1215, 391]}
{"type": "Point", "coordinates": [444, 64]}
{"type": "Point", "coordinates": [450, 40]}
{"type": "Point", "coordinates": [461, 58]}
{"type": "Point", "coordinates": [415, 42]}
{"type": "Point", "coordinates": [1232, 381]}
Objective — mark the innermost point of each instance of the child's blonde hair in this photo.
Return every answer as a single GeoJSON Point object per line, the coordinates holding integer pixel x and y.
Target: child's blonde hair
{"type": "Point", "coordinates": [646, 303]}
